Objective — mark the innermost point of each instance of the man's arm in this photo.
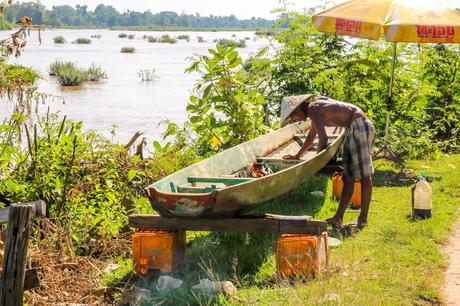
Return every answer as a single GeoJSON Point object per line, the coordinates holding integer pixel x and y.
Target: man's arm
{"type": "Point", "coordinates": [317, 121]}
{"type": "Point", "coordinates": [308, 142]}
{"type": "Point", "coordinates": [306, 145]}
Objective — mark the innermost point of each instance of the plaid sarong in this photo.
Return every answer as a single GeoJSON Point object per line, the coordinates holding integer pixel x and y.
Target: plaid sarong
{"type": "Point", "coordinates": [357, 156]}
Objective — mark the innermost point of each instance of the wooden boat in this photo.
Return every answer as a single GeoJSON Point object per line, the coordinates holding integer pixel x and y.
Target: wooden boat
{"type": "Point", "coordinates": [212, 188]}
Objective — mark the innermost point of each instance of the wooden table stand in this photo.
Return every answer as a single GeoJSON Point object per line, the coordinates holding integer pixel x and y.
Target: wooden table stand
{"type": "Point", "coordinates": [269, 224]}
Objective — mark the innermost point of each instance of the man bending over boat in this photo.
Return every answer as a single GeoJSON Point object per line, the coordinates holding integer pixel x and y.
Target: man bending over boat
{"type": "Point", "coordinates": [359, 136]}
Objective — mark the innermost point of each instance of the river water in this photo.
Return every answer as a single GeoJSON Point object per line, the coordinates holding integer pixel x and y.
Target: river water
{"type": "Point", "coordinates": [123, 100]}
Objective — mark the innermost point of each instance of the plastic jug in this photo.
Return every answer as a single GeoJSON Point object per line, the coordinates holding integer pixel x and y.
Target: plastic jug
{"type": "Point", "coordinates": [337, 186]}
{"type": "Point", "coordinates": [421, 198]}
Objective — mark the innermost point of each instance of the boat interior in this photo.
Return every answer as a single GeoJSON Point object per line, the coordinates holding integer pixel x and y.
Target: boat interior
{"type": "Point", "coordinates": [262, 166]}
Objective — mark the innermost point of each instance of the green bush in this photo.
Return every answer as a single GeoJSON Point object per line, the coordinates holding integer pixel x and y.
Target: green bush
{"type": "Point", "coordinates": [70, 75]}
{"type": "Point", "coordinates": [95, 73]}
{"type": "Point", "coordinates": [200, 39]}
{"type": "Point", "coordinates": [59, 40]}
{"type": "Point", "coordinates": [128, 50]}
{"type": "Point", "coordinates": [122, 35]}
{"type": "Point", "coordinates": [152, 39]}
{"type": "Point", "coordinates": [83, 41]}
{"type": "Point", "coordinates": [83, 177]}
{"type": "Point", "coordinates": [226, 109]}
{"type": "Point", "coordinates": [131, 36]}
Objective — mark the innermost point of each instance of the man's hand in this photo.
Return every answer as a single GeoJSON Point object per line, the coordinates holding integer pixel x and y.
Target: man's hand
{"type": "Point", "coordinates": [291, 157]}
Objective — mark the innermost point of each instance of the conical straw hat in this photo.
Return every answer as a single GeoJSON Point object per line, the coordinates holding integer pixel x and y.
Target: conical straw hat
{"type": "Point", "coordinates": [290, 104]}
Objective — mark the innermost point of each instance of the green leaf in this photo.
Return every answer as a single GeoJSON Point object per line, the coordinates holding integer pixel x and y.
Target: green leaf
{"type": "Point", "coordinates": [196, 119]}
{"type": "Point", "coordinates": [157, 146]}
{"type": "Point", "coordinates": [207, 90]}
{"type": "Point", "coordinates": [131, 174]}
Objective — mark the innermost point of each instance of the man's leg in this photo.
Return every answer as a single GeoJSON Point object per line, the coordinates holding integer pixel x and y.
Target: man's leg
{"type": "Point", "coordinates": [347, 192]}
{"type": "Point", "coordinates": [366, 194]}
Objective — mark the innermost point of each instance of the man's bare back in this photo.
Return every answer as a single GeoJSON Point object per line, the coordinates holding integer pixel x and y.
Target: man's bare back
{"type": "Point", "coordinates": [324, 112]}
{"type": "Point", "coordinates": [335, 113]}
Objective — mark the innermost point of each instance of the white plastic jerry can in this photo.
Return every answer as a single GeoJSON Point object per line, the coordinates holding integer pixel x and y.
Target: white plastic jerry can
{"type": "Point", "coordinates": [421, 198]}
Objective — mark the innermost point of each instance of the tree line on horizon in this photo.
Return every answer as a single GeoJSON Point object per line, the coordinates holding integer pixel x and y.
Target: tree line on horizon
{"type": "Point", "coordinates": [108, 16]}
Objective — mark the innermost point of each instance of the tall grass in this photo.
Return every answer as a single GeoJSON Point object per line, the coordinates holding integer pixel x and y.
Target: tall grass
{"type": "Point", "coordinates": [54, 67]}
{"type": "Point", "coordinates": [95, 73]}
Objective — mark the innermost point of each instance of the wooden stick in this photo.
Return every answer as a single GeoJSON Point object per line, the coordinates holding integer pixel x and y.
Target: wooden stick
{"type": "Point", "coordinates": [133, 140]}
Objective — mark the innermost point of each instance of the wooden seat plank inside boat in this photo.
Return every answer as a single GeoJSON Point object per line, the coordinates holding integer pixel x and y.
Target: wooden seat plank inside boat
{"type": "Point", "coordinates": [224, 180]}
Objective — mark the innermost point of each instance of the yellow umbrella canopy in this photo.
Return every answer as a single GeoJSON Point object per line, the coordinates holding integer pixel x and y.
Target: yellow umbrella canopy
{"type": "Point", "coordinates": [418, 21]}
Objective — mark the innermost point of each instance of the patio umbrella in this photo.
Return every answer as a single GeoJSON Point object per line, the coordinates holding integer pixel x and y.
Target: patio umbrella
{"type": "Point", "coordinates": [416, 21]}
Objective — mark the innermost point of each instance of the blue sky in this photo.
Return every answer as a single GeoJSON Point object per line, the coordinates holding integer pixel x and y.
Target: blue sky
{"type": "Point", "coordinates": [239, 8]}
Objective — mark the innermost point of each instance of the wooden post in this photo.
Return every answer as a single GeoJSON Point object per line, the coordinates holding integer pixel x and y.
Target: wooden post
{"type": "Point", "coordinates": [14, 265]}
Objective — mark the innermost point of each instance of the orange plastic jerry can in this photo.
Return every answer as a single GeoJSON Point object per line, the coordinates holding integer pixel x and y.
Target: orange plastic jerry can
{"type": "Point", "coordinates": [158, 250]}
{"type": "Point", "coordinates": [337, 186]}
{"type": "Point", "coordinates": [301, 254]}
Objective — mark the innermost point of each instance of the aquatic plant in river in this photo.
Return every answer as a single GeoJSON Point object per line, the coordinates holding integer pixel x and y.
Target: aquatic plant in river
{"type": "Point", "coordinates": [168, 39]}
{"type": "Point", "coordinates": [70, 75]}
{"type": "Point", "coordinates": [152, 39]}
{"type": "Point", "coordinates": [147, 75]}
{"type": "Point", "coordinates": [95, 73]}
{"type": "Point", "coordinates": [59, 40]}
{"type": "Point", "coordinates": [184, 37]}
{"type": "Point", "coordinates": [82, 41]}
{"type": "Point", "coordinates": [128, 50]}
{"type": "Point", "coordinates": [231, 43]}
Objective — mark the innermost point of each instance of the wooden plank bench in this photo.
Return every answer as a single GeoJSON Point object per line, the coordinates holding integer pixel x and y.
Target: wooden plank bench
{"type": "Point", "coordinates": [224, 180]}
{"type": "Point", "coordinates": [269, 225]}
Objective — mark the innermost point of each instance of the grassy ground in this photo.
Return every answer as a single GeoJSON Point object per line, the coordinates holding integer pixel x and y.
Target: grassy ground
{"type": "Point", "coordinates": [394, 261]}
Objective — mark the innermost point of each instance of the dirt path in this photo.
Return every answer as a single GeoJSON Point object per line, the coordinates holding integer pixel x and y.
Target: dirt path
{"type": "Point", "coordinates": [452, 287]}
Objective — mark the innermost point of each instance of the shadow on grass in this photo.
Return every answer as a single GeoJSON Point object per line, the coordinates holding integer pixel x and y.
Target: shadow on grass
{"type": "Point", "coordinates": [391, 178]}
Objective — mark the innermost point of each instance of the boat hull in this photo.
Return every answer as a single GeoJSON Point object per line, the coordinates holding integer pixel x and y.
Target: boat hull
{"type": "Point", "coordinates": [239, 198]}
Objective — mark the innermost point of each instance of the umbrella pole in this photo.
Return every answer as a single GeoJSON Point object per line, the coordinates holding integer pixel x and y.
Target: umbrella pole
{"type": "Point", "coordinates": [390, 96]}
{"type": "Point", "coordinates": [385, 151]}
